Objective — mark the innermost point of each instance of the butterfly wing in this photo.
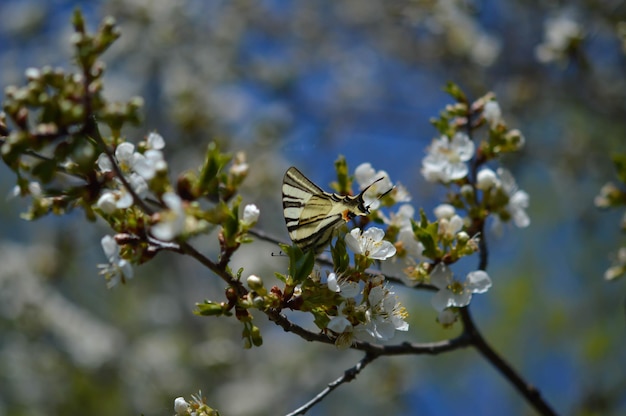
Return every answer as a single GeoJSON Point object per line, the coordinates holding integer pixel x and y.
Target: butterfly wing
{"type": "Point", "coordinates": [311, 214]}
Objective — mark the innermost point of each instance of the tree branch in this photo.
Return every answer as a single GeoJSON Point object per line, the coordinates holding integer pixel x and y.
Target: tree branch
{"type": "Point", "coordinates": [405, 348]}
{"type": "Point", "coordinates": [530, 392]}
{"type": "Point", "coordinates": [349, 375]}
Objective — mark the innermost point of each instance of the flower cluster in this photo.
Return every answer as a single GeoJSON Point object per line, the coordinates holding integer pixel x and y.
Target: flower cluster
{"type": "Point", "coordinates": [137, 167]}
{"type": "Point", "coordinates": [454, 293]}
{"type": "Point", "coordinates": [196, 407]}
{"type": "Point", "coordinates": [562, 35]}
{"type": "Point", "coordinates": [503, 197]}
{"type": "Point", "coordinates": [369, 314]}
{"type": "Point", "coordinates": [447, 158]}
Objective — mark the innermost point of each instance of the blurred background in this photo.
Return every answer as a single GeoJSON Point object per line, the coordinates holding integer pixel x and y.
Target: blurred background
{"type": "Point", "coordinates": [299, 83]}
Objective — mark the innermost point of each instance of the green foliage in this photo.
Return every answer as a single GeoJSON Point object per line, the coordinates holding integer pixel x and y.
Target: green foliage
{"type": "Point", "coordinates": [300, 264]}
{"type": "Point", "coordinates": [344, 182]}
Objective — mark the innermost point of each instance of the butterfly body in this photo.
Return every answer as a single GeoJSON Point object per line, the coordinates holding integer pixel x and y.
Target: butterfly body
{"type": "Point", "coordinates": [311, 214]}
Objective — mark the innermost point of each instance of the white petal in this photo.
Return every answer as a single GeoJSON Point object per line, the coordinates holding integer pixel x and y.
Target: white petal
{"type": "Point", "coordinates": [376, 295]}
{"type": "Point", "coordinates": [486, 179]}
{"type": "Point", "coordinates": [384, 329]}
{"type": "Point", "coordinates": [478, 281]}
{"type": "Point", "coordinates": [332, 283]}
{"type": "Point", "coordinates": [104, 163]}
{"type": "Point", "coordinates": [441, 300]}
{"type": "Point", "coordinates": [444, 211]}
{"type": "Point", "coordinates": [251, 214]}
{"type": "Point", "coordinates": [124, 153]}
{"type": "Point", "coordinates": [364, 174]}
{"type": "Point", "coordinates": [441, 276]}
{"type": "Point", "coordinates": [164, 231]}
{"type": "Point", "coordinates": [181, 407]}
{"type": "Point", "coordinates": [125, 200]}
{"type": "Point", "coordinates": [352, 240]}
{"type": "Point", "coordinates": [456, 171]}
{"type": "Point", "coordinates": [155, 141]}
{"type": "Point", "coordinates": [383, 251]}
{"type": "Point", "coordinates": [107, 202]}
{"type": "Point", "coordinates": [463, 145]}
{"type": "Point", "coordinates": [350, 289]}
{"type": "Point", "coordinates": [446, 317]}
{"type": "Point", "coordinates": [339, 325]}
{"type": "Point", "coordinates": [173, 202]}
{"type": "Point", "coordinates": [399, 323]}
{"type": "Point", "coordinates": [125, 268]}
{"type": "Point", "coordinates": [461, 299]}
{"type": "Point", "coordinates": [109, 246]}
{"type": "Point", "coordinates": [374, 233]}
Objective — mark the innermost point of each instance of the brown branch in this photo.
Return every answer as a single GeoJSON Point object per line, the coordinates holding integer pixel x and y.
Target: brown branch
{"type": "Point", "coordinates": [405, 348]}
{"type": "Point", "coordinates": [349, 375]}
{"type": "Point", "coordinates": [91, 130]}
{"type": "Point", "coordinates": [530, 392]}
{"type": "Point", "coordinates": [323, 260]}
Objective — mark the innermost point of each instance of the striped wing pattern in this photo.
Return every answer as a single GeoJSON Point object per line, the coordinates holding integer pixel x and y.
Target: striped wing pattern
{"type": "Point", "coordinates": [311, 214]}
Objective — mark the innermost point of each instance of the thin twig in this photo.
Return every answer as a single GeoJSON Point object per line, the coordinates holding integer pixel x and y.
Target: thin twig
{"type": "Point", "coordinates": [349, 375]}
{"type": "Point", "coordinates": [323, 260]}
{"type": "Point", "coordinates": [530, 392]}
{"type": "Point", "coordinates": [91, 129]}
{"type": "Point", "coordinates": [405, 348]}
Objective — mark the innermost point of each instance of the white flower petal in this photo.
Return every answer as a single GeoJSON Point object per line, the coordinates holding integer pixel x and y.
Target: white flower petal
{"type": "Point", "coordinates": [332, 283]}
{"type": "Point", "coordinates": [110, 248]}
{"type": "Point", "coordinates": [104, 163]}
{"type": "Point", "coordinates": [441, 276]}
{"type": "Point", "coordinates": [251, 214]}
{"type": "Point", "coordinates": [339, 325]}
{"type": "Point", "coordinates": [107, 202]}
{"type": "Point", "coordinates": [352, 240]}
{"type": "Point", "coordinates": [155, 141]}
{"type": "Point", "coordinates": [478, 281]}
{"type": "Point", "coordinates": [460, 299]}
{"type": "Point", "coordinates": [181, 407]}
{"type": "Point", "coordinates": [441, 300]}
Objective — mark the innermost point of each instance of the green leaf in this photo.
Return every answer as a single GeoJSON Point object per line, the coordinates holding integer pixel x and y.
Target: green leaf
{"type": "Point", "coordinates": [209, 308]}
{"type": "Point", "coordinates": [214, 161]}
{"type": "Point", "coordinates": [341, 259]}
{"type": "Point", "coordinates": [619, 160]}
{"type": "Point", "coordinates": [426, 233]}
{"type": "Point", "coordinates": [343, 184]}
{"type": "Point", "coordinates": [45, 170]}
{"type": "Point", "coordinates": [456, 92]}
{"type": "Point", "coordinates": [300, 264]}
{"type": "Point", "coordinates": [230, 224]}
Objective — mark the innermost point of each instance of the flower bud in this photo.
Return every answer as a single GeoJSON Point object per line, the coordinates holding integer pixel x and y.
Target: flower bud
{"type": "Point", "coordinates": [254, 282]}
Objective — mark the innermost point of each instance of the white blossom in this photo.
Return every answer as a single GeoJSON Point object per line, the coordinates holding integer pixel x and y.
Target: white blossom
{"type": "Point", "coordinates": [559, 33]}
{"type": "Point", "coordinates": [492, 113]}
{"type": "Point", "coordinates": [172, 221]}
{"type": "Point", "coordinates": [446, 158]}
{"type": "Point", "coordinates": [117, 268]}
{"type": "Point", "coordinates": [155, 141]}
{"type": "Point", "coordinates": [486, 179]}
{"type": "Point", "coordinates": [365, 176]}
{"type": "Point", "coordinates": [385, 314]}
{"type": "Point", "coordinates": [344, 287]}
{"type": "Point", "coordinates": [518, 199]}
{"type": "Point", "coordinates": [446, 211]}
{"type": "Point", "coordinates": [453, 292]}
{"type": "Point", "coordinates": [448, 228]}
{"type": "Point", "coordinates": [148, 164]}
{"type": "Point", "coordinates": [370, 243]}
{"type": "Point", "coordinates": [181, 407]}
{"type": "Point", "coordinates": [250, 215]}
{"type": "Point", "coordinates": [401, 219]}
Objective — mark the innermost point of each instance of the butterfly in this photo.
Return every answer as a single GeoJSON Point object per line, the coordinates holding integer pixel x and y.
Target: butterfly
{"type": "Point", "coordinates": [311, 214]}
